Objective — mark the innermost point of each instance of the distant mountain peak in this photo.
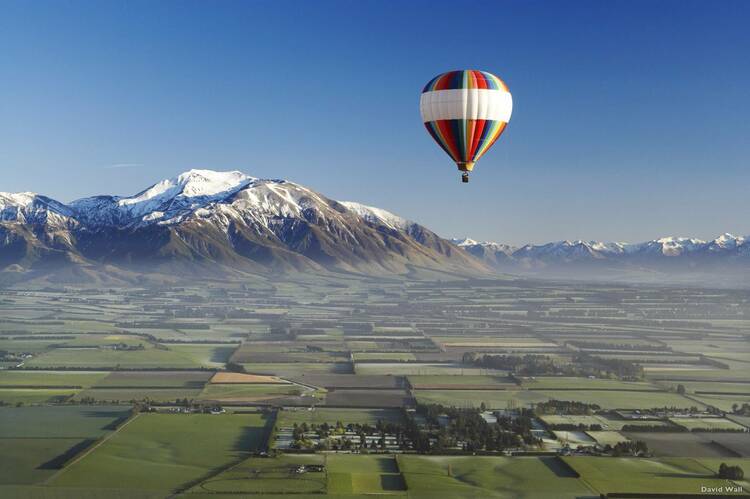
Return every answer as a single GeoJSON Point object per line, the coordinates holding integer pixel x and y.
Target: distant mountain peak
{"type": "Point", "coordinates": [224, 220]}
{"type": "Point", "coordinates": [17, 198]}
{"type": "Point", "coordinates": [194, 183]}
{"type": "Point", "coordinates": [33, 208]}
{"type": "Point", "coordinates": [465, 241]}
{"type": "Point", "coordinates": [186, 192]}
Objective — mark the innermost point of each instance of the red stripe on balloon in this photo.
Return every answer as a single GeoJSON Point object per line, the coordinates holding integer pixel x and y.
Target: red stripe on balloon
{"type": "Point", "coordinates": [450, 140]}
{"type": "Point", "coordinates": [476, 136]}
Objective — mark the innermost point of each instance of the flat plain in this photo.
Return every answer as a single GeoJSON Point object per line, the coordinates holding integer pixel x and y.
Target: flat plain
{"type": "Point", "coordinates": [268, 355]}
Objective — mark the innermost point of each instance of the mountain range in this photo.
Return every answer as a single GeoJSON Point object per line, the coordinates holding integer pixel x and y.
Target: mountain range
{"type": "Point", "coordinates": [210, 224]}
{"type": "Point", "coordinates": [726, 253]}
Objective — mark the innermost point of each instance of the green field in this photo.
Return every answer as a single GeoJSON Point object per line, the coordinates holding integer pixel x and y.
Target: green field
{"type": "Point", "coordinates": [150, 357]}
{"type": "Point", "coordinates": [268, 476]}
{"type": "Point", "coordinates": [48, 379]}
{"type": "Point", "coordinates": [413, 334]}
{"type": "Point", "coordinates": [499, 399]}
{"type": "Point", "coordinates": [362, 474]}
{"type": "Point", "coordinates": [204, 355]}
{"type": "Point", "coordinates": [31, 460]}
{"type": "Point", "coordinates": [166, 451]}
{"type": "Point", "coordinates": [607, 437]}
{"type": "Point", "coordinates": [59, 421]}
{"type": "Point", "coordinates": [249, 392]}
{"type": "Point", "coordinates": [707, 424]}
{"type": "Point", "coordinates": [468, 381]}
{"type": "Point", "coordinates": [723, 402]}
{"type": "Point", "coordinates": [384, 356]}
{"type": "Point", "coordinates": [639, 475]}
{"type": "Point", "coordinates": [14, 396]}
{"type": "Point", "coordinates": [36, 441]}
{"type": "Point", "coordinates": [155, 379]}
{"type": "Point", "coordinates": [710, 388]}
{"type": "Point", "coordinates": [562, 382]}
{"type": "Point", "coordinates": [491, 477]}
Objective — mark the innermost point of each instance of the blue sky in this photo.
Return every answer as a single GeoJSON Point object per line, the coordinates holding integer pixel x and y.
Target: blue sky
{"type": "Point", "coordinates": [630, 118]}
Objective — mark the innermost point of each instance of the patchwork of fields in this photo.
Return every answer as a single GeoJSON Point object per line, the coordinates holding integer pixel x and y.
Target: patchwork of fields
{"type": "Point", "coordinates": [180, 391]}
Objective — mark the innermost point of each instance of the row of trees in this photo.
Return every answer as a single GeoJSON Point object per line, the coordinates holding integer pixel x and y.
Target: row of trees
{"type": "Point", "coordinates": [582, 364]}
{"type": "Point", "coordinates": [730, 472]}
{"type": "Point", "coordinates": [566, 407]}
{"type": "Point", "coordinates": [526, 365]}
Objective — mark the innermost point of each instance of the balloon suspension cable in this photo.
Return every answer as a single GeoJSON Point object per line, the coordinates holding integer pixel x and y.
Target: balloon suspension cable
{"type": "Point", "coordinates": [465, 177]}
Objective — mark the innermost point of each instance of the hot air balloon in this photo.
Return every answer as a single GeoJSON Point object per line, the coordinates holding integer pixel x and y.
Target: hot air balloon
{"type": "Point", "coordinates": [465, 111]}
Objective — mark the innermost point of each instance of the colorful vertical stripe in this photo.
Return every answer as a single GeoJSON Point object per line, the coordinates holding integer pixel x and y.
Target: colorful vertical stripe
{"type": "Point", "coordinates": [469, 78]}
{"type": "Point", "coordinates": [465, 141]}
{"type": "Point", "coordinates": [465, 112]}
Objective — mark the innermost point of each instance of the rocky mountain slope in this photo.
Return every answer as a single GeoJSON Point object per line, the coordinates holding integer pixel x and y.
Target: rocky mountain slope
{"type": "Point", "coordinates": [204, 222]}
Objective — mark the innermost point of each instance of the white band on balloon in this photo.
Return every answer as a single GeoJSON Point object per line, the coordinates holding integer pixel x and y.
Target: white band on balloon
{"type": "Point", "coordinates": [466, 104]}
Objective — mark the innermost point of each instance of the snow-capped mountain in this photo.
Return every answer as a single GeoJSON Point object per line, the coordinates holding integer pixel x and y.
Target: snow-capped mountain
{"type": "Point", "coordinates": [494, 254]}
{"type": "Point", "coordinates": [726, 249]}
{"type": "Point", "coordinates": [164, 202]}
{"type": "Point", "coordinates": [31, 208]}
{"type": "Point", "coordinates": [378, 216]}
{"type": "Point", "coordinates": [202, 220]}
{"type": "Point", "coordinates": [209, 223]}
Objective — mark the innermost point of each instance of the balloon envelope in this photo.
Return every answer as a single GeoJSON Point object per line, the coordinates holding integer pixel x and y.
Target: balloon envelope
{"type": "Point", "coordinates": [466, 111]}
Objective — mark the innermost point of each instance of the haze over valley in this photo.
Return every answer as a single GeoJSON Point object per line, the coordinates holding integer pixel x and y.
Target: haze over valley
{"type": "Point", "coordinates": [231, 224]}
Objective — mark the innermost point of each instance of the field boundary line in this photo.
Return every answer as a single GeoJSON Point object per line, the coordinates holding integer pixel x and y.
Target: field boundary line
{"type": "Point", "coordinates": [580, 477]}
{"type": "Point", "coordinates": [699, 463]}
{"type": "Point", "coordinates": [210, 474]}
{"type": "Point", "coordinates": [92, 448]}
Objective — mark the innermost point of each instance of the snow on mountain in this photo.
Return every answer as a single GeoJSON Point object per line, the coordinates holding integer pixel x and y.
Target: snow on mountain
{"type": "Point", "coordinates": [564, 250]}
{"type": "Point", "coordinates": [468, 242]}
{"type": "Point", "coordinates": [377, 215]}
{"type": "Point", "coordinates": [671, 246]}
{"type": "Point", "coordinates": [205, 194]}
{"type": "Point", "coordinates": [244, 222]}
{"type": "Point", "coordinates": [225, 219]}
{"type": "Point", "coordinates": [726, 242]}
{"type": "Point", "coordinates": [167, 199]}
{"type": "Point", "coordinates": [581, 251]}
{"type": "Point", "coordinates": [487, 245]}
{"type": "Point", "coordinates": [34, 209]}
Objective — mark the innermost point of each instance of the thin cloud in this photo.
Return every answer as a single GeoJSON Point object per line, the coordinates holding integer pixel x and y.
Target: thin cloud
{"type": "Point", "coordinates": [122, 165]}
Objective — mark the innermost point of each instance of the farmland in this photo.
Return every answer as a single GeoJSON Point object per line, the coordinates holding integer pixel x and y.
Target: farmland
{"type": "Point", "coordinates": [145, 392]}
{"type": "Point", "coordinates": [469, 477]}
{"type": "Point", "coordinates": [268, 476]}
{"type": "Point", "coordinates": [37, 441]}
{"type": "Point", "coordinates": [158, 451]}
{"type": "Point", "coordinates": [675, 475]}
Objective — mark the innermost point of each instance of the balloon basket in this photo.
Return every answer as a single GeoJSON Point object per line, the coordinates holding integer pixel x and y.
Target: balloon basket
{"type": "Point", "coordinates": [465, 178]}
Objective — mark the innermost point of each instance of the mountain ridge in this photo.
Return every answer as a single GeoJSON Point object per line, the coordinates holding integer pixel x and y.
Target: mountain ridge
{"type": "Point", "coordinates": [229, 224]}
{"type": "Point", "coordinates": [226, 223]}
{"type": "Point", "coordinates": [726, 250]}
